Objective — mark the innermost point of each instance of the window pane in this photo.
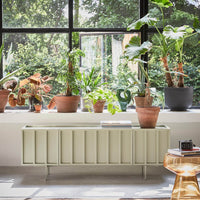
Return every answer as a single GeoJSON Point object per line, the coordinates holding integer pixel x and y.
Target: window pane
{"type": "Point", "coordinates": [182, 12]}
{"type": "Point", "coordinates": [105, 13]}
{"type": "Point", "coordinates": [191, 66]}
{"type": "Point", "coordinates": [105, 52]}
{"type": "Point", "coordinates": [39, 53]}
{"type": "Point", "coordinates": [35, 13]}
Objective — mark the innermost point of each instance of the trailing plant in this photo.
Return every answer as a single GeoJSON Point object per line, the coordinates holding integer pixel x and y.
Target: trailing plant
{"type": "Point", "coordinates": [104, 94]}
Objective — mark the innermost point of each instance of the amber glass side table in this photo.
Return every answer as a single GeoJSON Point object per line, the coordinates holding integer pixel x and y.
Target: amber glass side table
{"type": "Point", "coordinates": [185, 168]}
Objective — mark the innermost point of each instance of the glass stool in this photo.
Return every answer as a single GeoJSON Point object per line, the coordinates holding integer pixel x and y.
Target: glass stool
{"type": "Point", "coordinates": [185, 168]}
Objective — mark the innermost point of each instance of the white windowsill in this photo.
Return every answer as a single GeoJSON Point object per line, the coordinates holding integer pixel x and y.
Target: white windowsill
{"type": "Point", "coordinates": [53, 117]}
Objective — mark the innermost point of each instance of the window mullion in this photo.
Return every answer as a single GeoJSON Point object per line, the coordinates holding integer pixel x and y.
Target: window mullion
{"type": "Point", "coordinates": [70, 23]}
{"type": "Point", "coordinates": [144, 29]}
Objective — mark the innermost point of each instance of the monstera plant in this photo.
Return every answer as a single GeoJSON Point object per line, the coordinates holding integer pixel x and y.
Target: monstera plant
{"type": "Point", "coordinates": [147, 114]}
{"type": "Point", "coordinates": [133, 52]}
{"type": "Point", "coordinates": [177, 95]}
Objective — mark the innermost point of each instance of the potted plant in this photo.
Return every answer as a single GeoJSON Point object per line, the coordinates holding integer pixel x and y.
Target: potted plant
{"type": "Point", "coordinates": [91, 80]}
{"type": "Point", "coordinates": [100, 96]}
{"type": "Point", "coordinates": [133, 52]}
{"type": "Point", "coordinates": [33, 88]}
{"type": "Point", "coordinates": [71, 76]}
{"type": "Point", "coordinates": [38, 107]}
{"type": "Point", "coordinates": [7, 84]}
{"type": "Point", "coordinates": [170, 38]}
{"type": "Point", "coordinates": [147, 114]}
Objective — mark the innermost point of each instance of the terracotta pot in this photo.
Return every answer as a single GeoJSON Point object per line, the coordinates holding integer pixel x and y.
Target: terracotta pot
{"type": "Point", "coordinates": [67, 104]}
{"type": "Point", "coordinates": [3, 99]}
{"type": "Point", "coordinates": [38, 108]}
{"type": "Point", "coordinates": [99, 106]}
{"type": "Point", "coordinates": [143, 102]}
{"type": "Point", "coordinates": [148, 116]}
{"type": "Point", "coordinates": [32, 102]}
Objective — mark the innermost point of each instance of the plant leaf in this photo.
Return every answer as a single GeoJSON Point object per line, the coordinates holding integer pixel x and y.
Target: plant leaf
{"type": "Point", "coordinates": [141, 22]}
{"type": "Point", "coordinates": [133, 50]}
{"type": "Point", "coordinates": [176, 33]}
{"type": "Point", "coordinates": [162, 3]}
{"type": "Point", "coordinates": [196, 24]}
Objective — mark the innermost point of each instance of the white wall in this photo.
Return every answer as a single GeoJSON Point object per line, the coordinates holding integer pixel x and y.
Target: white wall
{"type": "Point", "coordinates": [184, 125]}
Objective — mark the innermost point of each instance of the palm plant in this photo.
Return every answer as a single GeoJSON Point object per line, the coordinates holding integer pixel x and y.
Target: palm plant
{"type": "Point", "coordinates": [90, 81]}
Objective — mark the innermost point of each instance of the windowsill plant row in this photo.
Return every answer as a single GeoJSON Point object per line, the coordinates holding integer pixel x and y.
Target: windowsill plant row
{"type": "Point", "coordinates": [95, 93]}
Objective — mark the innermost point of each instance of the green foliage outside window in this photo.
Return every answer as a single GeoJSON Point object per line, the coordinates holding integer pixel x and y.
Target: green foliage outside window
{"type": "Point", "coordinates": [43, 53]}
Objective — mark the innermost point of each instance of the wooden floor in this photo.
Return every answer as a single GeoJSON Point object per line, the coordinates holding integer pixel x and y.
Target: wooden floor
{"type": "Point", "coordinates": [79, 199]}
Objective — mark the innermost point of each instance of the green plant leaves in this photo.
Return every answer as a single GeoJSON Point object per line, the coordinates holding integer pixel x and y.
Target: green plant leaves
{"type": "Point", "coordinates": [141, 22]}
{"type": "Point", "coordinates": [134, 50]}
{"type": "Point", "coordinates": [196, 25]}
{"type": "Point", "coordinates": [162, 3]}
{"type": "Point", "coordinates": [176, 33]}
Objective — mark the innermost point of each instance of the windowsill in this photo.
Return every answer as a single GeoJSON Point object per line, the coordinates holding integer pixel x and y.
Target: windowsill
{"type": "Point", "coordinates": [53, 117]}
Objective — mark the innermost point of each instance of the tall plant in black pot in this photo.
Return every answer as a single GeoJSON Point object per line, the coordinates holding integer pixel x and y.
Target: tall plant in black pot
{"type": "Point", "coordinates": [177, 96]}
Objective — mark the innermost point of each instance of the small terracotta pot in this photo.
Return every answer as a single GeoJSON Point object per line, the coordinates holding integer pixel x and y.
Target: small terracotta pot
{"type": "Point", "coordinates": [99, 106]}
{"type": "Point", "coordinates": [38, 108]}
{"type": "Point", "coordinates": [148, 116]}
{"type": "Point", "coordinates": [3, 99]}
{"type": "Point", "coordinates": [143, 101]}
{"type": "Point", "coordinates": [67, 104]}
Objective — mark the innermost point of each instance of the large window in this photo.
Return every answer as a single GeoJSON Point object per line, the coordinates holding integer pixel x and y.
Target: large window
{"type": "Point", "coordinates": [40, 32]}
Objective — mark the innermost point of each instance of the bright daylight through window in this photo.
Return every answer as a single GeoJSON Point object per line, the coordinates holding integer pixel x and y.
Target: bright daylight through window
{"type": "Point", "coordinates": [38, 34]}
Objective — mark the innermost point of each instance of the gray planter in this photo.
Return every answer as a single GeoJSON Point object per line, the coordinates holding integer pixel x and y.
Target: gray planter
{"type": "Point", "coordinates": [178, 99]}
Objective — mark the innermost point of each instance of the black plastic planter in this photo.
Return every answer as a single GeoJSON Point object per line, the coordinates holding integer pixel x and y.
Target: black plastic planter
{"type": "Point", "coordinates": [178, 99]}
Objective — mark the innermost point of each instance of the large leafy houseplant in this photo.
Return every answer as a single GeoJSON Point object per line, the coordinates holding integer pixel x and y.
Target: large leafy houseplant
{"type": "Point", "coordinates": [134, 50]}
{"type": "Point", "coordinates": [147, 114]}
{"type": "Point", "coordinates": [168, 39]}
{"type": "Point", "coordinates": [70, 75]}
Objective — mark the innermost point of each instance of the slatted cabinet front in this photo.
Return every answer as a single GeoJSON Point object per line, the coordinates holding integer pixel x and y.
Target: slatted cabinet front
{"type": "Point", "coordinates": [94, 146]}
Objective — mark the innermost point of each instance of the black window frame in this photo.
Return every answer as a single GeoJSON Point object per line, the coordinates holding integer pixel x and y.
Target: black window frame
{"type": "Point", "coordinates": [143, 10]}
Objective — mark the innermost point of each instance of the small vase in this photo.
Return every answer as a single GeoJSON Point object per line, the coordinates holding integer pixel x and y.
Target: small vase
{"type": "Point", "coordinates": [123, 100]}
{"type": "Point", "coordinates": [86, 105]}
{"type": "Point", "coordinates": [38, 108]}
